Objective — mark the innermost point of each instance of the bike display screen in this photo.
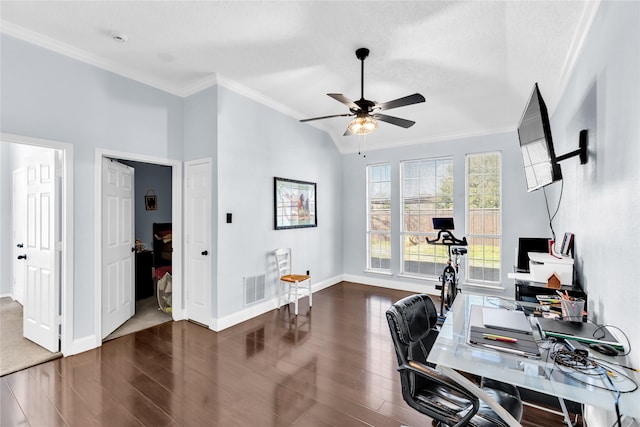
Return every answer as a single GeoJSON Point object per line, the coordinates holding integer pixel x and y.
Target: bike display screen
{"type": "Point", "coordinates": [442, 223]}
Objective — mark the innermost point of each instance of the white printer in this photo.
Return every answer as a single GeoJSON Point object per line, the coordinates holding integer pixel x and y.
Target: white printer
{"type": "Point", "coordinates": [543, 265]}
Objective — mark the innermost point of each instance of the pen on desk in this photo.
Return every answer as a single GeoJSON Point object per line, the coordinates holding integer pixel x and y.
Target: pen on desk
{"type": "Point", "coordinates": [498, 338]}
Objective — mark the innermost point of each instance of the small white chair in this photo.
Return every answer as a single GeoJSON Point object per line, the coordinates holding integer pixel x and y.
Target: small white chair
{"type": "Point", "coordinates": [292, 286]}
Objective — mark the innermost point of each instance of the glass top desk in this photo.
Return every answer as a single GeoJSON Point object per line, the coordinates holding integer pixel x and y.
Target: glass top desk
{"type": "Point", "coordinates": [451, 352]}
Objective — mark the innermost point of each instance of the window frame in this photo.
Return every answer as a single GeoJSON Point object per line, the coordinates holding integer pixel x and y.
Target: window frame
{"type": "Point", "coordinates": [438, 253]}
{"type": "Point", "coordinates": [369, 232]}
{"type": "Point", "coordinates": [471, 236]}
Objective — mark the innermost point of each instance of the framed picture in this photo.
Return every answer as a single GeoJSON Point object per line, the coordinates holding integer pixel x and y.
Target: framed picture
{"type": "Point", "coordinates": [567, 245]}
{"type": "Point", "coordinates": [294, 204]}
{"type": "Point", "coordinates": [151, 201]}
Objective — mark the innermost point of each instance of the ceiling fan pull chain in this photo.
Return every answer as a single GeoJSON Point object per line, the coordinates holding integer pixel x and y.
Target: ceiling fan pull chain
{"type": "Point", "coordinates": [362, 140]}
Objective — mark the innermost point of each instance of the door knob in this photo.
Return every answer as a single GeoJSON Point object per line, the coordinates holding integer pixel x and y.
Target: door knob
{"type": "Point", "coordinates": [22, 256]}
{"type": "Point", "coordinates": [133, 249]}
{"type": "Point", "coordinates": [205, 252]}
{"type": "Point", "coordinates": [20, 245]}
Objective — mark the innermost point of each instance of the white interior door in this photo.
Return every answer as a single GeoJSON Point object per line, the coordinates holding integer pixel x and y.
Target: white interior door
{"type": "Point", "coordinates": [118, 268]}
{"type": "Point", "coordinates": [19, 233]}
{"type": "Point", "coordinates": [198, 241]}
{"type": "Point", "coordinates": [41, 256]}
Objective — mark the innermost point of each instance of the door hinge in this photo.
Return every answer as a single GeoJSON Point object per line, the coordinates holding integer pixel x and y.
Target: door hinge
{"type": "Point", "coordinates": [59, 246]}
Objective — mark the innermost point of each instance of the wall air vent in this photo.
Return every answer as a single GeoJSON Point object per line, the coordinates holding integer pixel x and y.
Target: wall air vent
{"type": "Point", "coordinates": [254, 289]}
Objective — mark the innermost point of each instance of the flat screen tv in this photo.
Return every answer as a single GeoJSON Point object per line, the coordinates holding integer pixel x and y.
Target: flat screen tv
{"type": "Point", "coordinates": [540, 164]}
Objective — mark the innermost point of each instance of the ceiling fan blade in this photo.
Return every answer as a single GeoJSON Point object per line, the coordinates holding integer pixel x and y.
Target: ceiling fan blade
{"type": "Point", "coordinates": [394, 120]}
{"type": "Point", "coordinates": [346, 101]}
{"type": "Point", "coordinates": [416, 98]}
{"type": "Point", "coordinates": [326, 117]}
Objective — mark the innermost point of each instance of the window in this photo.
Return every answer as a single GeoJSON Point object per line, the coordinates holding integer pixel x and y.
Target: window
{"type": "Point", "coordinates": [484, 224]}
{"type": "Point", "coordinates": [379, 217]}
{"type": "Point", "coordinates": [427, 192]}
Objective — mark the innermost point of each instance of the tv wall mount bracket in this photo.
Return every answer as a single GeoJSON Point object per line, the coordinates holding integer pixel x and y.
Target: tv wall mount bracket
{"type": "Point", "coordinates": [581, 151]}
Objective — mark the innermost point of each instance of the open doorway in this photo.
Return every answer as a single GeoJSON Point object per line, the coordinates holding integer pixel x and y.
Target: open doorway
{"type": "Point", "coordinates": [153, 230]}
{"type": "Point", "coordinates": [155, 199]}
{"type": "Point", "coordinates": [37, 249]}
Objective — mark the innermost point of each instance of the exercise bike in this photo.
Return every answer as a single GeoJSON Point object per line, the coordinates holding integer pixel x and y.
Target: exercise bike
{"type": "Point", "coordinates": [449, 280]}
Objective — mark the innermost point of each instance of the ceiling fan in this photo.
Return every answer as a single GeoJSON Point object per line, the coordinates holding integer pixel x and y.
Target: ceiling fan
{"type": "Point", "coordinates": [366, 111]}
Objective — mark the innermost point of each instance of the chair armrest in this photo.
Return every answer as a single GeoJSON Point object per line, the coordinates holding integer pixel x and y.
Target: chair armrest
{"type": "Point", "coordinates": [481, 394]}
{"type": "Point", "coordinates": [434, 375]}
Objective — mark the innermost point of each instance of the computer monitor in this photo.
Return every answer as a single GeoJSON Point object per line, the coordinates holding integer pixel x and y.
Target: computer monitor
{"type": "Point", "coordinates": [526, 245]}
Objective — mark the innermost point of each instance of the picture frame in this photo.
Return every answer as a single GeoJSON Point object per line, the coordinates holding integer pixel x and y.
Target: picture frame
{"type": "Point", "coordinates": [567, 245]}
{"type": "Point", "coordinates": [151, 201]}
{"type": "Point", "coordinates": [294, 204]}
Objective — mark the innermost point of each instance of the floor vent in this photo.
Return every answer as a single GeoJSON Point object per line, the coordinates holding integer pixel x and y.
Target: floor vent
{"type": "Point", "coordinates": [254, 287]}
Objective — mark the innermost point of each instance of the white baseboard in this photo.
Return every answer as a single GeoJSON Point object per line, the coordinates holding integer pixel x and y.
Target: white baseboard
{"type": "Point", "coordinates": [222, 323]}
{"type": "Point", "coordinates": [218, 324]}
{"type": "Point", "coordinates": [425, 287]}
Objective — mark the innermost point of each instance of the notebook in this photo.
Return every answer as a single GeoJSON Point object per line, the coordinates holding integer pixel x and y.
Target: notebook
{"type": "Point", "coordinates": [585, 332]}
{"type": "Point", "coordinates": [525, 346]}
{"type": "Point", "coordinates": [506, 320]}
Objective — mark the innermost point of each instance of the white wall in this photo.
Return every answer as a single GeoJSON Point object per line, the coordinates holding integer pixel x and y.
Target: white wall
{"type": "Point", "coordinates": [256, 143]}
{"type": "Point", "coordinates": [524, 214]}
{"type": "Point", "coordinates": [90, 108]}
{"type": "Point", "coordinates": [47, 95]}
{"type": "Point", "coordinates": [601, 201]}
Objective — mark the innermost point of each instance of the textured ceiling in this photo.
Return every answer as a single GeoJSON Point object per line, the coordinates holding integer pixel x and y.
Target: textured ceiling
{"type": "Point", "coordinates": [474, 61]}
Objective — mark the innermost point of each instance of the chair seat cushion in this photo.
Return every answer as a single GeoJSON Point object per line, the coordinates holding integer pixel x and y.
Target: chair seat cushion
{"type": "Point", "coordinates": [294, 278]}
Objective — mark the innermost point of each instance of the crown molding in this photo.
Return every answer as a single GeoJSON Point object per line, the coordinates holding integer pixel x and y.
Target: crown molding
{"type": "Point", "coordinates": [43, 41]}
{"type": "Point", "coordinates": [577, 45]}
{"type": "Point", "coordinates": [255, 96]}
{"type": "Point", "coordinates": [217, 79]}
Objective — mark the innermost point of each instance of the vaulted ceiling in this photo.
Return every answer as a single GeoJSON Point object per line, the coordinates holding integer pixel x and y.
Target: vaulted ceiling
{"type": "Point", "coordinates": [474, 61]}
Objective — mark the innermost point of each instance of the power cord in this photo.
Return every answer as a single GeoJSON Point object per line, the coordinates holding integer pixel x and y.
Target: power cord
{"type": "Point", "coordinates": [552, 217]}
{"type": "Point", "coordinates": [571, 361]}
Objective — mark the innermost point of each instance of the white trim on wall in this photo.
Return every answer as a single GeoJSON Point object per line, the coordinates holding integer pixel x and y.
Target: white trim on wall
{"type": "Point", "coordinates": [66, 233]}
{"type": "Point", "coordinates": [176, 218]}
{"type": "Point", "coordinates": [218, 324]}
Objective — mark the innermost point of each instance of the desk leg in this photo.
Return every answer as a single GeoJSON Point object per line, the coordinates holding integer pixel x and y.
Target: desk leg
{"type": "Point", "coordinates": [502, 413]}
{"type": "Point", "coordinates": [567, 418]}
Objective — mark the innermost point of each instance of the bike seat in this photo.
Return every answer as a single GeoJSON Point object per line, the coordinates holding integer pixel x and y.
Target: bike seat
{"type": "Point", "coordinates": [459, 251]}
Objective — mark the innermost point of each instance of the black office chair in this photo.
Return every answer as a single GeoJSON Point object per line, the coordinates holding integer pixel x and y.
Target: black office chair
{"type": "Point", "coordinates": [412, 322]}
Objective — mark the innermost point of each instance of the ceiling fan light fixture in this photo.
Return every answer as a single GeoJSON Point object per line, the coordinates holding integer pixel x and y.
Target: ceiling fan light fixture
{"type": "Point", "coordinates": [363, 125]}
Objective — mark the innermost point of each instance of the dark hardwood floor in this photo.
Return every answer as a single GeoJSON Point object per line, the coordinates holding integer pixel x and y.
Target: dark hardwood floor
{"type": "Point", "coordinates": [334, 367]}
